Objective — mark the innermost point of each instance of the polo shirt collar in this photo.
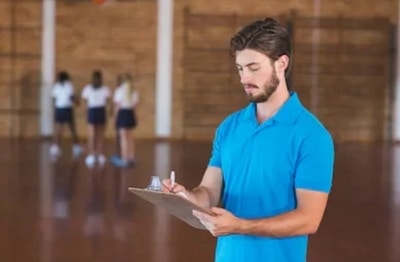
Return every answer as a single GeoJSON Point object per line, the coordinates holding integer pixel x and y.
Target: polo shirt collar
{"type": "Point", "coordinates": [288, 112]}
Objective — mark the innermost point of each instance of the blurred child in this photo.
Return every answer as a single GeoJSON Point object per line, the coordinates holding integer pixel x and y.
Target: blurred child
{"type": "Point", "coordinates": [126, 98]}
{"type": "Point", "coordinates": [64, 100]}
{"type": "Point", "coordinates": [96, 96]}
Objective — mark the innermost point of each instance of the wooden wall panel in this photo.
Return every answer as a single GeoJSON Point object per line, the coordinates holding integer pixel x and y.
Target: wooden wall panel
{"type": "Point", "coordinates": [20, 34]}
{"type": "Point", "coordinates": [5, 123]}
{"type": "Point", "coordinates": [211, 87]}
{"type": "Point", "coordinates": [29, 130]}
{"type": "Point", "coordinates": [341, 72]}
{"type": "Point", "coordinates": [344, 79]}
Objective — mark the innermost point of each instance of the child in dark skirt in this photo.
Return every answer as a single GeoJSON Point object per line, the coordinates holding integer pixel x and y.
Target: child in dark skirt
{"type": "Point", "coordinates": [126, 98]}
{"type": "Point", "coordinates": [96, 96]}
{"type": "Point", "coordinates": [64, 100]}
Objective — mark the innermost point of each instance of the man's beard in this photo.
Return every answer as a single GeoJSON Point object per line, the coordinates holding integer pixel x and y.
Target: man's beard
{"type": "Point", "coordinates": [268, 89]}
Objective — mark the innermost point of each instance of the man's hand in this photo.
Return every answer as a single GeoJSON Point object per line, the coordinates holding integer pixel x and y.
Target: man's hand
{"type": "Point", "coordinates": [222, 223]}
{"type": "Point", "coordinates": [176, 188]}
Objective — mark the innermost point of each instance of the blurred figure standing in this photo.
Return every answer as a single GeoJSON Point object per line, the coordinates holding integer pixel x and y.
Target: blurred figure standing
{"type": "Point", "coordinates": [126, 98]}
{"type": "Point", "coordinates": [64, 99]}
{"type": "Point", "coordinates": [96, 95]}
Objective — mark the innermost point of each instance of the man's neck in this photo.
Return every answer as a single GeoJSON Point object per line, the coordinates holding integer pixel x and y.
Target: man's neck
{"type": "Point", "coordinates": [267, 109]}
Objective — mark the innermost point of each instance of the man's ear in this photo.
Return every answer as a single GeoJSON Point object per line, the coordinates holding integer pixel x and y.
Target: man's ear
{"type": "Point", "coordinates": [281, 64]}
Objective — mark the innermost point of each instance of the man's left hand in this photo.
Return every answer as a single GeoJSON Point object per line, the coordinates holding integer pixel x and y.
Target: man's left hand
{"type": "Point", "coordinates": [222, 223]}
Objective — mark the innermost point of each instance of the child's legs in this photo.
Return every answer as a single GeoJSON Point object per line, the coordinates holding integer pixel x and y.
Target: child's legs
{"type": "Point", "coordinates": [131, 144]}
{"type": "Point", "coordinates": [91, 139]}
{"type": "Point", "coordinates": [58, 133]}
{"type": "Point", "coordinates": [99, 139]}
{"type": "Point", "coordinates": [74, 133]}
{"type": "Point", "coordinates": [97, 118]}
{"type": "Point", "coordinates": [123, 138]}
{"type": "Point", "coordinates": [127, 144]}
{"type": "Point", "coordinates": [118, 142]}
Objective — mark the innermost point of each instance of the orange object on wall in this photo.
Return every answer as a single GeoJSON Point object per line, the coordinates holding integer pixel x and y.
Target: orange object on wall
{"type": "Point", "coordinates": [99, 2]}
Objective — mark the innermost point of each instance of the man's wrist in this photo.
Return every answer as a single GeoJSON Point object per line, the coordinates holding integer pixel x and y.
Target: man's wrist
{"type": "Point", "coordinates": [242, 226]}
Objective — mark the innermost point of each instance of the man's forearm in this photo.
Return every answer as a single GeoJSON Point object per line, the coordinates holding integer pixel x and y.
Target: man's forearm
{"type": "Point", "coordinates": [289, 224]}
{"type": "Point", "coordinates": [202, 197]}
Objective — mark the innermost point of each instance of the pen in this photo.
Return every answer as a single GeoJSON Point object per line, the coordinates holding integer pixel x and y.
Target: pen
{"type": "Point", "coordinates": [172, 178]}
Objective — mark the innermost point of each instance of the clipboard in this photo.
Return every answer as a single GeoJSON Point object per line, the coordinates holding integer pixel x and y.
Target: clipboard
{"type": "Point", "coordinates": [175, 205]}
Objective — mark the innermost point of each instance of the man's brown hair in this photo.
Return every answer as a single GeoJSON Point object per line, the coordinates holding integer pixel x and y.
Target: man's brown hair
{"type": "Point", "coordinates": [265, 36]}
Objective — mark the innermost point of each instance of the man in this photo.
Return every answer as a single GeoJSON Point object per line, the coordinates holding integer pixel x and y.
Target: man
{"type": "Point", "coordinates": [272, 162]}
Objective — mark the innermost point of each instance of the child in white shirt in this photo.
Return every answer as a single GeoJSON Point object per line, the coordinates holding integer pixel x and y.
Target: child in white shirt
{"type": "Point", "coordinates": [126, 98]}
{"type": "Point", "coordinates": [64, 100]}
{"type": "Point", "coordinates": [96, 96]}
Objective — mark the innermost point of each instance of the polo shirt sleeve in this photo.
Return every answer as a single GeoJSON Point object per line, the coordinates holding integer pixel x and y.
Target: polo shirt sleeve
{"type": "Point", "coordinates": [314, 170]}
{"type": "Point", "coordinates": [215, 159]}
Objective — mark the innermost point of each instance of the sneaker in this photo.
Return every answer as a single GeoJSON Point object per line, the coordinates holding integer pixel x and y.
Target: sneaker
{"type": "Point", "coordinates": [90, 160]}
{"type": "Point", "coordinates": [114, 158]}
{"type": "Point", "coordinates": [55, 150]}
{"type": "Point", "coordinates": [101, 159]}
{"type": "Point", "coordinates": [119, 162]}
{"type": "Point", "coordinates": [76, 150]}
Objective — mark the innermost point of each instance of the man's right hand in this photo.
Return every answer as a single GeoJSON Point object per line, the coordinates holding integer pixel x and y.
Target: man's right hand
{"type": "Point", "coordinates": [176, 189]}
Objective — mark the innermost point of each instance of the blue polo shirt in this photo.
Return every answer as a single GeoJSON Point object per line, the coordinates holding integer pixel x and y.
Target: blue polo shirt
{"type": "Point", "coordinates": [262, 165]}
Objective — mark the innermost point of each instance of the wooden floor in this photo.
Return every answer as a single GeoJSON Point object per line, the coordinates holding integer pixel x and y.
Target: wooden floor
{"type": "Point", "coordinates": [62, 211]}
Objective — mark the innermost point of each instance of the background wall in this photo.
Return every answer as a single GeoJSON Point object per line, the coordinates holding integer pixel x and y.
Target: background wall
{"type": "Point", "coordinates": [20, 39]}
{"type": "Point", "coordinates": [348, 92]}
{"type": "Point", "coordinates": [122, 37]}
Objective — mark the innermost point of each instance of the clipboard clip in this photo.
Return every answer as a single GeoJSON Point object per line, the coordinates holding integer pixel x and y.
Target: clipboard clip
{"type": "Point", "coordinates": [155, 184]}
